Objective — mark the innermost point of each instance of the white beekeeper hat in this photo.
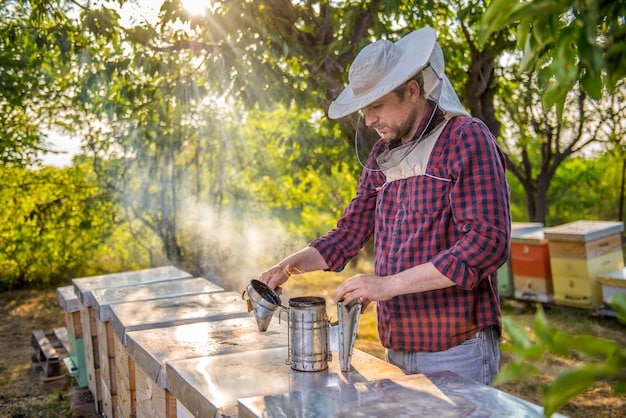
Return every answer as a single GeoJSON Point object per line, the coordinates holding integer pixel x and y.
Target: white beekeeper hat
{"type": "Point", "coordinates": [382, 66]}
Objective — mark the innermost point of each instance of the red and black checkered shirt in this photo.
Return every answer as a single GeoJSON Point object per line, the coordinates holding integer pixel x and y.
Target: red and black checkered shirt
{"type": "Point", "coordinates": [457, 216]}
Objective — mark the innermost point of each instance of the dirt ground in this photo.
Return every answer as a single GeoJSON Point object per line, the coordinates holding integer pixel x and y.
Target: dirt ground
{"type": "Point", "coordinates": [22, 393]}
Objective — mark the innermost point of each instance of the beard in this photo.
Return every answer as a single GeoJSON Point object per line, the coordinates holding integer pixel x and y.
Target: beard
{"type": "Point", "coordinates": [400, 132]}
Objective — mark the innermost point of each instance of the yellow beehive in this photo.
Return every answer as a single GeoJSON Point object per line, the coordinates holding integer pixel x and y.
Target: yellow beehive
{"type": "Point", "coordinates": [579, 252]}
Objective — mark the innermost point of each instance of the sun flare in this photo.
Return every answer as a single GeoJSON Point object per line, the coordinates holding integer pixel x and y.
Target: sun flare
{"type": "Point", "coordinates": [195, 7]}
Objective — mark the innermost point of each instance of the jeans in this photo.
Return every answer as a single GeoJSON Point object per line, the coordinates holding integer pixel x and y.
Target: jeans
{"type": "Point", "coordinates": [477, 358]}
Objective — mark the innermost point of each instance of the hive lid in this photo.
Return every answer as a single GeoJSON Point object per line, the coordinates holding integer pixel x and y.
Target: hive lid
{"type": "Point", "coordinates": [536, 237]}
{"type": "Point", "coordinates": [616, 278]}
{"type": "Point", "coordinates": [583, 231]}
{"type": "Point", "coordinates": [525, 227]}
{"type": "Point", "coordinates": [84, 286]}
{"type": "Point", "coordinates": [68, 299]}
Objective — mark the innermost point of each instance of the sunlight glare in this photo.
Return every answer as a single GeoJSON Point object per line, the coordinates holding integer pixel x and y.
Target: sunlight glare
{"type": "Point", "coordinates": [196, 7]}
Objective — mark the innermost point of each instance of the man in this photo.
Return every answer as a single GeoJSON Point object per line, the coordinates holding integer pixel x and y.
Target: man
{"type": "Point", "coordinates": [433, 194]}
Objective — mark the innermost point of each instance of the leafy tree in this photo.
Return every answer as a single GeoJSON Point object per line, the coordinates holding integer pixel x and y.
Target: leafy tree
{"type": "Point", "coordinates": [566, 42]}
{"type": "Point", "coordinates": [36, 41]}
{"type": "Point", "coordinates": [537, 142]}
{"type": "Point", "coordinates": [53, 220]}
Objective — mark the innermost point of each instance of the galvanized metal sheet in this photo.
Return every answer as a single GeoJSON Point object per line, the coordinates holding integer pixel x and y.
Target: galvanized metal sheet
{"type": "Point", "coordinates": [439, 395]}
{"type": "Point", "coordinates": [525, 227]}
{"type": "Point", "coordinates": [152, 349]}
{"type": "Point", "coordinates": [583, 230]}
{"type": "Point", "coordinates": [211, 386]}
{"type": "Point", "coordinates": [176, 310]}
{"type": "Point", "coordinates": [68, 299]}
{"type": "Point", "coordinates": [83, 286]}
{"type": "Point", "coordinates": [104, 298]}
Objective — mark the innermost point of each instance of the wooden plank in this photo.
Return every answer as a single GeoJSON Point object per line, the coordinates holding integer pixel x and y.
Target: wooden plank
{"type": "Point", "coordinates": [125, 372]}
{"type": "Point", "coordinates": [40, 342]}
{"type": "Point", "coordinates": [152, 401]}
{"type": "Point", "coordinates": [61, 335]}
{"type": "Point", "coordinates": [90, 343]}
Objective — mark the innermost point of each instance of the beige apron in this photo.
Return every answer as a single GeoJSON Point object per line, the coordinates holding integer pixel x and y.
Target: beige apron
{"type": "Point", "coordinates": [410, 159]}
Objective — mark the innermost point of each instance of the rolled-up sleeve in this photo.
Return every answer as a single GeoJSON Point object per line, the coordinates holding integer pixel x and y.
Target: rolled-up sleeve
{"type": "Point", "coordinates": [479, 201]}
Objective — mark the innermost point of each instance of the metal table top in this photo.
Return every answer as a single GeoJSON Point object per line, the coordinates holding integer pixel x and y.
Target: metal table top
{"type": "Point", "coordinates": [83, 286]}
{"type": "Point", "coordinates": [176, 310]}
{"type": "Point", "coordinates": [104, 298]}
{"type": "Point", "coordinates": [211, 386]}
{"type": "Point", "coordinates": [439, 395]}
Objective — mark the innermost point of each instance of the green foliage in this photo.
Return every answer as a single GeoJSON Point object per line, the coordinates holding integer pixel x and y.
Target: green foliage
{"type": "Point", "coordinates": [36, 42]}
{"type": "Point", "coordinates": [603, 359]}
{"type": "Point", "coordinates": [585, 188]}
{"type": "Point", "coordinates": [53, 222]}
{"type": "Point", "coordinates": [568, 41]}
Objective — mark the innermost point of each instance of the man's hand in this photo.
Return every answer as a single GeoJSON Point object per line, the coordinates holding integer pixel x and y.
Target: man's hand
{"type": "Point", "coordinates": [368, 287]}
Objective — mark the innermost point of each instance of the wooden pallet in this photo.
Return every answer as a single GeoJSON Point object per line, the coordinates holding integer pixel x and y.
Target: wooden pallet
{"type": "Point", "coordinates": [49, 351]}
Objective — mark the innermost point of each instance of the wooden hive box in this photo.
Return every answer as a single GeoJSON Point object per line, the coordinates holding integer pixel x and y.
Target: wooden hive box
{"type": "Point", "coordinates": [530, 259]}
{"type": "Point", "coordinates": [71, 309]}
{"type": "Point", "coordinates": [83, 288]}
{"type": "Point", "coordinates": [613, 283]}
{"type": "Point", "coordinates": [105, 299]}
{"type": "Point", "coordinates": [151, 350]}
{"type": "Point", "coordinates": [579, 252]}
{"type": "Point", "coordinates": [211, 386]}
{"type": "Point", "coordinates": [506, 286]}
{"type": "Point", "coordinates": [159, 313]}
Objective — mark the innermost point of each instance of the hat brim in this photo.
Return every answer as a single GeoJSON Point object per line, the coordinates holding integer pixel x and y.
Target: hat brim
{"type": "Point", "coordinates": [416, 49]}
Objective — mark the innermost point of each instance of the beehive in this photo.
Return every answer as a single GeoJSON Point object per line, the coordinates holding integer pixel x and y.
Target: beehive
{"type": "Point", "coordinates": [613, 283]}
{"type": "Point", "coordinates": [153, 349]}
{"type": "Point", "coordinates": [211, 386]}
{"type": "Point", "coordinates": [530, 260]}
{"type": "Point", "coordinates": [159, 313]}
{"type": "Point", "coordinates": [505, 273]}
{"type": "Point", "coordinates": [84, 288]}
{"type": "Point", "coordinates": [579, 252]}
{"type": "Point", "coordinates": [71, 307]}
{"type": "Point", "coordinates": [105, 299]}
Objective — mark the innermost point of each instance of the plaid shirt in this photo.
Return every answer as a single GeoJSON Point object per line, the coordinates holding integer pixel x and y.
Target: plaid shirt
{"type": "Point", "coordinates": [456, 216]}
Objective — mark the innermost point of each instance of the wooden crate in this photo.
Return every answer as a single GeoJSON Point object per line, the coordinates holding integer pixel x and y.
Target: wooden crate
{"type": "Point", "coordinates": [579, 252]}
{"type": "Point", "coordinates": [158, 313]}
{"type": "Point", "coordinates": [92, 357]}
{"type": "Point", "coordinates": [71, 311]}
{"type": "Point", "coordinates": [152, 349]}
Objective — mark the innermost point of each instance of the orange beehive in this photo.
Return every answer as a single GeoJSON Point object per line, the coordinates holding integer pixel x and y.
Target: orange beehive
{"type": "Point", "coordinates": [530, 259]}
{"type": "Point", "coordinates": [505, 272]}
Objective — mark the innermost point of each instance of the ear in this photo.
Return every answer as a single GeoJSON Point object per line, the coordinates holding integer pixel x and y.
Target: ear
{"type": "Point", "coordinates": [414, 90]}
